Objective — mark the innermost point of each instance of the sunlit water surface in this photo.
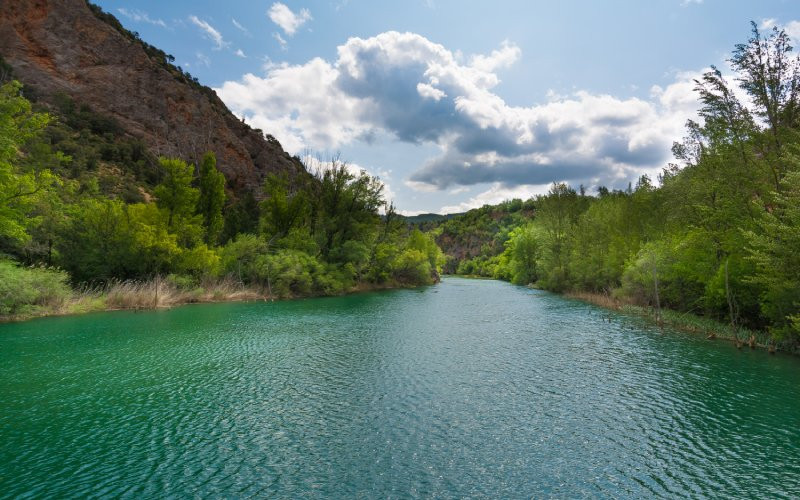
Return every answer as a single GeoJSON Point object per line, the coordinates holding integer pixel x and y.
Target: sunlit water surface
{"type": "Point", "coordinates": [467, 388]}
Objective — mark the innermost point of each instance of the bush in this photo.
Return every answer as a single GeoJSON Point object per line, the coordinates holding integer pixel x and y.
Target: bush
{"type": "Point", "coordinates": [23, 290]}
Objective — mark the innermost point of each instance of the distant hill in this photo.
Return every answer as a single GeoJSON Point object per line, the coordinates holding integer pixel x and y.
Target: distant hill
{"type": "Point", "coordinates": [416, 219]}
{"type": "Point", "coordinates": [70, 51]}
{"type": "Point", "coordinates": [478, 232]}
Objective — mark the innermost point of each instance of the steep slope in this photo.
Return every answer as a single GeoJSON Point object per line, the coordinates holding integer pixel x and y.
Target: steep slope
{"type": "Point", "coordinates": [67, 47]}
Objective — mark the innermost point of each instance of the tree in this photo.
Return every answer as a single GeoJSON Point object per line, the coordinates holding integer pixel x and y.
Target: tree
{"type": "Point", "coordinates": [211, 198]}
{"type": "Point", "coordinates": [178, 199]}
{"type": "Point", "coordinates": [557, 213]}
{"type": "Point", "coordinates": [241, 217]}
{"type": "Point", "coordinates": [771, 77]}
{"type": "Point", "coordinates": [19, 187]}
{"type": "Point", "coordinates": [285, 207]}
{"type": "Point", "coordinates": [522, 253]}
{"type": "Point", "coordinates": [775, 250]}
{"type": "Point", "coordinates": [345, 205]}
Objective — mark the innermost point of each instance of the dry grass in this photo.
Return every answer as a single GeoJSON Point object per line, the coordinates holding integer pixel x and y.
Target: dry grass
{"type": "Point", "coordinates": [599, 299]}
{"type": "Point", "coordinates": [159, 293]}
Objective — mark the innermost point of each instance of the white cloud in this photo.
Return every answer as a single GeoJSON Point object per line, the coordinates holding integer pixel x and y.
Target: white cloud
{"type": "Point", "coordinates": [793, 30]}
{"type": "Point", "coordinates": [240, 53]}
{"type": "Point", "coordinates": [429, 91]}
{"type": "Point", "coordinates": [289, 22]}
{"type": "Point", "coordinates": [408, 87]}
{"type": "Point", "coordinates": [299, 105]}
{"type": "Point", "coordinates": [281, 41]}
{"type": "Point", "coordinates": [767, 24]}
{"type": "Point", "coordinates": [685, 3]}
{"type": "Point", "coordinates": [240, 27]}
{"type": "Point", "coordinates": [140, 16]}
{"type": "Point", "coordinates": [502, 58]}
{"type": "Point", "coordinates": [210, 31]}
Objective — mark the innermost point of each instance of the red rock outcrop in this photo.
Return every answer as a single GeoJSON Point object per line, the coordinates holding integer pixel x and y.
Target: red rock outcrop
{"type": "Point", "coordinates": [61, 46]}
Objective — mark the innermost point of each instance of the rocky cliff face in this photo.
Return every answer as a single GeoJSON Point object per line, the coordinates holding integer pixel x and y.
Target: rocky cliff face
{"type": "Point", "coordinates": [65, 47]}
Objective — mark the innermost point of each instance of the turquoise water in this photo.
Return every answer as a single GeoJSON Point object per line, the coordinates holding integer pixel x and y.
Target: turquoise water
{"type": "Point", "coordinates": [469, 388]}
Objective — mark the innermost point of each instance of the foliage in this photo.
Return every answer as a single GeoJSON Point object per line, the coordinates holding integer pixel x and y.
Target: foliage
{"type": "Point", "coordinates": [211, 198]}
{"type": "Point", "coordinates": [775, 252]}
{"type": "Point", "coordinates": [24, 289]}
{"type": "Point", "coordinates": [21, 185]}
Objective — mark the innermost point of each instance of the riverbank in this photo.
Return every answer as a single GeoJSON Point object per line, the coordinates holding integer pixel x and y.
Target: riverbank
{"type": "Point", "coordinates": [691, 323]}
{"type": "Point", "coordinates": [160, 293]}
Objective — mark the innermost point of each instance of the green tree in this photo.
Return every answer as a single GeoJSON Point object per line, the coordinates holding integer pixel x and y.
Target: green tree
{"type": "Point", "coordinates": [556, 215]}
{"type": "Point", "coordinates": [241, 217]}
{"type": "Point", "coordinates": [175, 194]}
{"type": "Point", "coordinates": [176, 197]}
{"type": "Point", "coordinates": [285, 207]}
{"type": "Point", "coordinates": [522, 254]}
{"type": "Point", "coordinates": [211, 199]}
{"type": "Point", "coordinates": [775, 250]}
{"type": "Point", "coordinates": [19, 187]}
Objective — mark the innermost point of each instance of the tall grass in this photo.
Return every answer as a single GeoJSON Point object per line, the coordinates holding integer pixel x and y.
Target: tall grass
{"type": "Point", "coordinates": [30, 292]}
{"type": "Point", "coordinates": [160, 293]}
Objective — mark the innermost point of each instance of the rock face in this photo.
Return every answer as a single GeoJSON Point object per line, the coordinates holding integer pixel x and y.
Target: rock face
{"type": "Point", "coordinates": [63, 47]}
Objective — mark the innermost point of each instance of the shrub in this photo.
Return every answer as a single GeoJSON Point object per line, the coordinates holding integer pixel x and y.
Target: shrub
{"type": "Point", "coordinates": [23, 290]}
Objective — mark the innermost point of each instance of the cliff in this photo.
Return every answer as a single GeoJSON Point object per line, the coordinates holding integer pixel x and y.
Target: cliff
{"type": "Point", "coordinates": [59, 47]}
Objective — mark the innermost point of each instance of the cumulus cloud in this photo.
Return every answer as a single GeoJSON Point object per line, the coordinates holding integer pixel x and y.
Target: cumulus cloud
{"type": "Point", "coordinates": [300, 105]}
{"type": "Point", "coordinates": [210, 31]}
{"type": "Point", "coordinates": [288, 21]}
{"type": "Point", "coordinates": [240, 53]}
{"type": "Point", "coordinates": [501, 58]}
{"type": "Point", "coordinates": [140, 16]}
{"type": "Point", "coordinates": [420, 92]}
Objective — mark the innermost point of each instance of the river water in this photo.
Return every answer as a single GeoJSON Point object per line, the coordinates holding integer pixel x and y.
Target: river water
{"type": "Point", "coordinates": [470, 388]}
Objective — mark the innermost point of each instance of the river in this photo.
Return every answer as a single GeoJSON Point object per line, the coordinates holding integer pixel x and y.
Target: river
{"type": "Point", "coordinates": [469, 388]}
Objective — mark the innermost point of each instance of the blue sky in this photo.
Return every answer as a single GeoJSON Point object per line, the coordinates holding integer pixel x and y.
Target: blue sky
{"type": "Point", "coordinates": [455, 104]}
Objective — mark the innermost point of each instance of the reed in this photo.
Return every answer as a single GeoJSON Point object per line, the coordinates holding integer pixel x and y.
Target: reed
{"type": "Point", "coordinates": [155, 293]}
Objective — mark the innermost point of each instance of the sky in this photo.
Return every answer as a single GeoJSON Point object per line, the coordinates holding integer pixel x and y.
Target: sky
{"type": "Point", "coordinates": [455, 104]}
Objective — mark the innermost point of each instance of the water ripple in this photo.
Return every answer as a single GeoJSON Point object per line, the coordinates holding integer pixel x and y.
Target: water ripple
{"type": "Point", "coordinates": [467, 389]}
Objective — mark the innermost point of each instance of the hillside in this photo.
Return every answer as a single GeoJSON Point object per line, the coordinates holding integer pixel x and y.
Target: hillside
{"type": "Point", "coordinates": [70, 49]}
{"type": "Point", "coordinates": [470, 238]}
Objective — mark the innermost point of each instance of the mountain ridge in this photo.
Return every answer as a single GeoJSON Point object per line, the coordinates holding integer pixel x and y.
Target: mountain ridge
{"type": "Point", "coordinates": [73, 48]}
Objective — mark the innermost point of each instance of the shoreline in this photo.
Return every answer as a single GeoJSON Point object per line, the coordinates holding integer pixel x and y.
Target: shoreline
{"type": "Point", "coordinates": [685, 322]}
{"type": "Point", "coordinates": [689, 323]}
{"type": "Point", "coordinates": [155, 295]}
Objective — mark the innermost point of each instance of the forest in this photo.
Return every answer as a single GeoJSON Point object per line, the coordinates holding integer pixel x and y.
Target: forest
{"type": "Point", "coordinates": [716, 235]}
{"type": "Point", "coordinates": [89, 220]}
